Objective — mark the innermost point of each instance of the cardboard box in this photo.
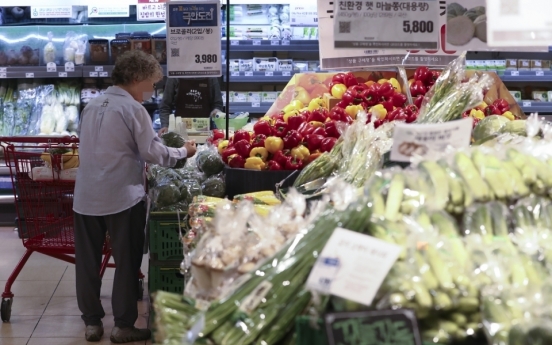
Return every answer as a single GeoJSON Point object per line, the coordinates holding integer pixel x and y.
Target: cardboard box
{"type": "Point", "coordinates": [330, 101]}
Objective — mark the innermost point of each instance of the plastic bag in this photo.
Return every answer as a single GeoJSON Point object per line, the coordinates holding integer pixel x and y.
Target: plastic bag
{"type": "Point", "coordinates": [50, 52]}
{"type": "Point", "coordinates": [209, 161]}
{"type": "Point", "coordinates": [214, 186]}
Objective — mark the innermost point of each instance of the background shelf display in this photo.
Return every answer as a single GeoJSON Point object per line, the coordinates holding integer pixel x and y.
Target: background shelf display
{"type": "Point", "coordinates": [249, 107]}
{"type": "Point", "coordinates": [272, 45]}
{"type": "Point", "coordinates": [260, 77]}
{"type": "Point", "coordinates": [39, 72]}
{"type": "Point", "coordinates": [527, 76]}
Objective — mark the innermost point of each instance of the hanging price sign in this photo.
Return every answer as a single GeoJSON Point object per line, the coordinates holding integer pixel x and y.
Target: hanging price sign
{"type": "Point", "coordinates": [386, 24]}
{"type": "Point", "coordinates": [193, 39]}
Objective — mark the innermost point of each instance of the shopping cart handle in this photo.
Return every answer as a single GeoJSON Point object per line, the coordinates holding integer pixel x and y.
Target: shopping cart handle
{"type": "Point", "coordinates": [41, 139]}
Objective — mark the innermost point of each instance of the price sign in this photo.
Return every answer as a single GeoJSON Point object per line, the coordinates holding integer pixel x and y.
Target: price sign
{"type": "Point", "coordinates": [286, 74]}
{"type": "Point", "coordinates": [256, 42]}
{"type": "Point", "coordinates": [3, 69]}
{"type": "Point", "coordinates": [526, 104]}
{"type": "Point", "coordinates": [386, 25]}
{"type": "Point", "coordinates": [98, 68]}
{"type": "Point", "coordinates": [303, 13]}
{"type": "Point", "coordinates": [338, 271]}
{"type": "Point", "coordinates": [62, 74]}
{"type": "Point", "coordinates": [3, 75]}
{"type": "Point", "coordinates": [193, 39]}
{"type": "Point", "coordinates": [514, 73]}
{"type": "Point", "coordinates": [249, 74]}
{"type": "Point", "coordinates": [410, 140]}
{"type": "Point", "coordinates": [234, 43]}
{"type": "Point", "coordinates": [69, 67]}
{"type": "Point", "coordinates": [274, 43]}
{"type": "Point", "coordinates": [51, 67]}
{"type": "Point", "coordinates": [269, 74]}
{"type": "Point", "coordinates": [381, 327]}
{"type": "Point", "coordinates": [29, 75]}
{"type": "Point", "coordinates": [103, 74]}
{"type": "Point", "coordinates": [93, 74]}
{"type": "Point", "coordinates": [285, 42]}
{"type": "Point", "coordinates": [235, 74]}
{"type": "Point", "coordinates": [255, 104]}
{"type": "Point", "coordinates": [539, 73]}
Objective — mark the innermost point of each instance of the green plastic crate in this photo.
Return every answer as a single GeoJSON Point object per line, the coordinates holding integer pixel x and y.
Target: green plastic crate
{"type": "Point", "coordinates": [307, 335]}
{"type": "Point", "coordinates": [165, 276]}
{"type": "Point", "coordinates": [164, 239]}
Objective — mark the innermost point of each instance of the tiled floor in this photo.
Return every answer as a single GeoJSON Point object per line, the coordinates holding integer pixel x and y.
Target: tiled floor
{"type": "Point", "coordinates": [44, 310]}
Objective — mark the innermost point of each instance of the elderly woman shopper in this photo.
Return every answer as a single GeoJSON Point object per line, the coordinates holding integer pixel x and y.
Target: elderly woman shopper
{"type": "Point", "coordinates": [116, 139]}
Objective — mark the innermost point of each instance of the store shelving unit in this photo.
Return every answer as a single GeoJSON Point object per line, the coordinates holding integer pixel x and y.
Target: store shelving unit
{"type": "Point", "coordinates": [272, 45]}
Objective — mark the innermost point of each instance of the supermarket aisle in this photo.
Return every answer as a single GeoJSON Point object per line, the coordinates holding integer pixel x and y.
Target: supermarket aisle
{"type": "Point", "coordinates": [45, 308]}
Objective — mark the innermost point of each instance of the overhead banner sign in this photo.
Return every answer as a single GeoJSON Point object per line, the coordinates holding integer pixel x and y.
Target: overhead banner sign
{"type": "Point", "coordinates": [108, 11]}
{"type": "Point", "coordinates": [193, 39]}
{"type": "Point", "coordinates": [386, 25]}
{"type": "Point", "coordinates": [519, 23]}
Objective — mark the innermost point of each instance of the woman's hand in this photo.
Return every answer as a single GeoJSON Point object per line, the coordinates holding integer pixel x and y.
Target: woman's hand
{"type": "Point", "coordinates": [190, 147]}
{"type": "Point", "coordinates": [162, 131]}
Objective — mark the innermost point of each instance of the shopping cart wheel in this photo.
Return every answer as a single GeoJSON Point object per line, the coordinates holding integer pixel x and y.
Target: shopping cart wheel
{"type": "Point", "coordinates": [5, 310]}
{"type": "Point", "coordinates": [140, 289]}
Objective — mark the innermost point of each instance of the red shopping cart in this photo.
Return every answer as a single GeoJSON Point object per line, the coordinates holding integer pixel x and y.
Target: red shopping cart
{"type": "Point", "coordinates": [44, 202]}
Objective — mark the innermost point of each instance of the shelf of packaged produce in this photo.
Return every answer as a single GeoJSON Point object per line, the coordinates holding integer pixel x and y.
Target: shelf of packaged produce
{"type": "Point", "coordinates": [536, 107]}
{"type": "Point", "coordinates": [271, 45]}
{"type": "Point", "coordinates": [250, 107]}
{"type": "Point", "coordinates": [260, 77]}
{"type": "Point", "coordinates": [39, 72]}
{"type": "Point", "coordinates": [527, 76]}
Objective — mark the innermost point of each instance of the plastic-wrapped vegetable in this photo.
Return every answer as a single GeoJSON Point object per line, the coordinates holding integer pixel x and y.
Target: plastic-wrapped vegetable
{"type": "Point", "coordinates": [214, 186]}
{"type": "Point", "coordinates": [209, 162]}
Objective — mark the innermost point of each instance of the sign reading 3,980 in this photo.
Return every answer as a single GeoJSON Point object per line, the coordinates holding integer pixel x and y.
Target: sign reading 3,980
{"type": "Point", "coordinates": [193, 39]}
{"type": "Point", "coordinates": [386, 24]}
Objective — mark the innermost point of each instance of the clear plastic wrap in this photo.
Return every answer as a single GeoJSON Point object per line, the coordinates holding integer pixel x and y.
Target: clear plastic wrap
{"type": "Point", "coordinates": [214, 186]}
{"type": "Point", "coordinates": [209, 161]}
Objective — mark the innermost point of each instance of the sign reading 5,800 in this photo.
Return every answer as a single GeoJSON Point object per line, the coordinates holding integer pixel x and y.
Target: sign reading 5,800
{"type": "Point", "coordinates": [386, 24]}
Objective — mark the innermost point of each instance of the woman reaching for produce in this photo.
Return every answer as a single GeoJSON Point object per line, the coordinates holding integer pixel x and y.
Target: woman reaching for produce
{"type": "Point", "coordinates": [116, 138]}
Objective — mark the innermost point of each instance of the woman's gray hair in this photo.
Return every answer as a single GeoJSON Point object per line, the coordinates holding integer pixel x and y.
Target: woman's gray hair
{"type": "Point", "coordinates": [136, 66]}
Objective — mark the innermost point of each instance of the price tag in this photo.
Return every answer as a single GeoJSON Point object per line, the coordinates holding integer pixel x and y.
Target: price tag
{"type": "Point", "coordinates": [539, 73]}
{"type": "Point", "coordinates": [3, 75]}
{"type": "Point", "coordinates": [256, 42]}
{"type": "Point", "coordinates": [249, 74]}
{"type": "Point", "coordinates": [69, 67]}
{"type": "Point", "coordinates": [103, 74]}
{"type": "Point", "coordinates": [255, 104]}
{"type": "Point", "coordinates": [93, 74]}
{"type": "Point", "coordinates": [410, 140]}
{"type": "Point", "coordinates": [358, 25]}
{"type": "Point", "coordinates": [29, 75]}
{"type": "Point", "coordinates": [303, 13]}
{"type": "Point", "coordinates": [274, 43]}
{"type": "Point", "coordinates": [51, 67]}
{"type": "Point", "coordinates": [234, 43]}
{"type": "Point", "coordinates": [286, 74]}
{"type": "Point", "coordinates": [62, 74]}
{"type": "Point", "coordinates": [200, 57]}
{"type": "Point", "coordinates": [235, 74]}
{"type": "Point", "coordinates": [514, 73]}
{"type": "Point", "coordinates": [526, 104]}
{"type": "Point", "coordinates": [3, 69]}
{"type": "Point", "coordinates": [98, 68]}
{"type": "Point", "coordinates": [338, 268]}
{"type": "Point", "coordinates": [285, 42]}
{"type": "Point", "coordinates": [269, 74]}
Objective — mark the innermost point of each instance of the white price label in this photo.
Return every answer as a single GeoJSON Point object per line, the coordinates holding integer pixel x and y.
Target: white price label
{"type": "Point", "coordinates": [303, 13]}
{"type": "Point", "coordinates": [69, 67]}
{"type": "Point", "coordinates": [286, 74]}
{"type": "Point", "coordinates": [93, 74]}
{"type": "Point", "coordinates": [514, 73]}
{"type": "Point", "coordinates": [234, 43]}
{"type": "Point", "coordinates": [539, 73]}
{"type": "Point", "coordinates": [269, 74]}
{"type": "Point", "coordinates": [408, 25]}
{"type": "Point", "coordinates": [3, 69]}
{"type": "Point", "coordinates": [29, 75]}
{"type": "Point", "coordinates": [249, 74]}
{"type": "Point", "coordinates": [352, 266]}
{"type": "Point", "coordinates": [235, 74]}
{"type": "Point", "coordinates": [98, 68]}
{"type": "Point", "coordinates": [103, 74]}
{"type": "Point", "coordinates": [410, 140]}
{"type": "Point", "coordinates": [62, 74]}
{"type": "Point", "coordinates": [285, 42]}
{"type": "Point", "coordinates": [3, 75]}
{"type": "Point", "coordinates": [256, 42]}
{"type": "Point", "coordinates": [255, 104]}
{"type": "Point", "coordinates": [526, 104]}
{"type": "Point", "coordinates": [51, 67]}
{"type": "Point", "coordinates": [193, 46]}
{"type": "Point", "coordinates": [274, 43]}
